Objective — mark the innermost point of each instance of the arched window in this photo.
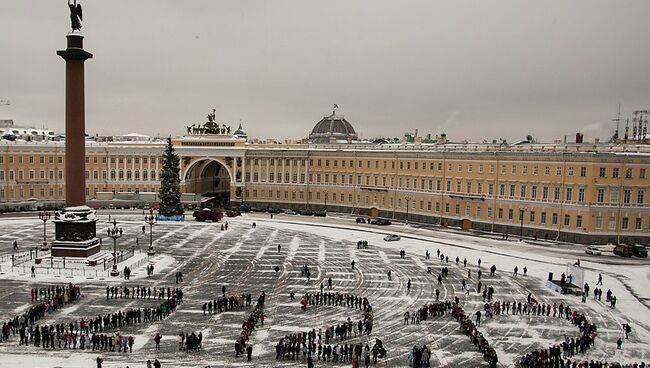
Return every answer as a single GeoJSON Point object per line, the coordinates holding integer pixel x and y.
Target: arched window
{"type": "Point", "coordinates": [121, 175]}
{"type": "Point", "coordinates": [137, 174]}
{"type": "Point", "coordinates": [129, 176]}
{"type": "Point", "coordinates": [145, 175]}
{"type": "Point", "coordinates": [112, 174]}
{"type": "Point", "coordinates": [153, 174]}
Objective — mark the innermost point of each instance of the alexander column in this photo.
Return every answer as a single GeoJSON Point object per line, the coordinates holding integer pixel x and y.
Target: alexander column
{"type": "Point", "coordinates": [75, 225]}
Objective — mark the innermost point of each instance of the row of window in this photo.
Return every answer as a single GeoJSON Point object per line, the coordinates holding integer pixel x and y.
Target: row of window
{"type": "Point", "coordinates": [404, 203]}
{"type": "Point", "coordinates": [115, 175]}
{"type": "Point", "coordinates": [505, 190]}
{"type": "Point", "coordinates": [41, 159]}
{"type": "Point", "coordinates": [513, 168]}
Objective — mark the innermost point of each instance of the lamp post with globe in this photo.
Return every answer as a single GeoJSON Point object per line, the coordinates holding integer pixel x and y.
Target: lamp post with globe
{"type": "Point", "coordinates": [44, 216]}
{"type": "Point", "coordinates": [114, 233]}
{"type": "Point", "coordinates": [150, 219]}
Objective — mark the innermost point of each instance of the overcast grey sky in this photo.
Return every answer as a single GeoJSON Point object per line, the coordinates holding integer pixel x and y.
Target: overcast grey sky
{"type": "Point", "coordinates": [473, 69]}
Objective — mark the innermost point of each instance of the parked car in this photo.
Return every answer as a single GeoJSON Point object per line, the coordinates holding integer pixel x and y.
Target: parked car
{"type": "Point", "coordinates": [593, 251]}
{"type": "Point", "coordinates": [361, 220]}
{"type": "Point", "coordinates": [392, 237]}
{"type": "Point", "coordinates": [290, 212]}
{"type": "Point", "coordinates": [306, 212]}
{"type": "Point", "coordinates": [639, 250]}
{"type": "Point", "coordinates": [207, 214]}
{"type": "Point", "coordinates": [273, 210]}
{"type": "Point", "coordinates": [380, 222]}
{"type": "Point", "coordinates": [320, 213]}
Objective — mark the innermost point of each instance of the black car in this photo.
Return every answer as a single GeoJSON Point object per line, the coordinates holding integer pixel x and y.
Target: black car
{"type": "Point", "coordinates": [319, 213]}
{"type": "Point", "coordinates": [380, 222]}
{"type": "Point", "coordinates": [306, 212]}
{"type": "Point", "coordinates": [361, 220]}
{"type": "Point", "coordinates": [273, 210]}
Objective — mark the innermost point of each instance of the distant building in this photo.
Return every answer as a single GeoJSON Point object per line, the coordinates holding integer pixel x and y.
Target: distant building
{"type": "Point", "coordinates": [578, 192]}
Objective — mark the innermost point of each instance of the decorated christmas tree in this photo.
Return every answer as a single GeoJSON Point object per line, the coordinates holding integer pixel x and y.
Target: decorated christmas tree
{"type": "Point", "coordinates": [170, 189]}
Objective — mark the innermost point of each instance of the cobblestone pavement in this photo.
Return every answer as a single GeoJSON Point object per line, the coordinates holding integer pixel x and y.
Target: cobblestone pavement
{"type": "Point", "coordinates": [243, 259]}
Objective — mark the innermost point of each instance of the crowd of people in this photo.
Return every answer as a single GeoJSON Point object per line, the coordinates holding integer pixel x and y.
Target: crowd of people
{"type": "Point", "coordinates": [49, 300]}
{"type": "Point", "coordinates": [560, 355]}
{"type": "Point", "coordinates": [189, 341]}
{"type": "Point", "coordinates": [94, 333]}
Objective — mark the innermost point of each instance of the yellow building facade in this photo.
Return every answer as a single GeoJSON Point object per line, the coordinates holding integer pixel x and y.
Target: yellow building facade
{"type": "Point", "coordinates": [587, 193]}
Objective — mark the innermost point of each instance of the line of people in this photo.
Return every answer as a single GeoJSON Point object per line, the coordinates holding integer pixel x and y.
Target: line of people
{"type": "Point", "coordinates": [475, 336]}
{"type": "Point", "coordinates": [141, 292]}
{"type": "Point", "coordinates": [242, 344]}
{"type": "Point", "coordinates": [224, 303]}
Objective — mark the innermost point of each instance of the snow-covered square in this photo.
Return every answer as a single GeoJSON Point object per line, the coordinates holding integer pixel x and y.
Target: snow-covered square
{"type": "Point", "coordinates": [270, 258]}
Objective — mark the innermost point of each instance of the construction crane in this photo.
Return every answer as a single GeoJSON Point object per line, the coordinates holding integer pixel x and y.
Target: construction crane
{"type": "Point", "coordinates": [5, 102]}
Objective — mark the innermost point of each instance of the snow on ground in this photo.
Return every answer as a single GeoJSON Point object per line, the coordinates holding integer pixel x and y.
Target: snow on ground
{"type": "Point", "coordinates": [243, 259]}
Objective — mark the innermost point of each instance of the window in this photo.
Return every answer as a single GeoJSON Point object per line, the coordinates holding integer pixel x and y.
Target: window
{"type": "Point", "coordinates": [613, 195]}
{"type": "Point", "coordinates": [569, 194]}
{"type": "Point", "coordinates": [625, 222]}
{"type": "Point", "coordinates": [500, 213]}
{"type": "Point", "coordinates": [641, 173]}
{"type": "Point", "coordinates": [502, 189]}
{"type": "Point", "coordinates": [628, 174]}
{"type": "Point", "coordinates": [567, 220]}
{"type": "Point", "coordinates": [554, 219]}
{"type": "Point", "coordinates": [581, 194]}
{"type": "Point", "coordinates": [599, 222]}
{"type": "Point", "coordinates": [627, 193]}
{"type": "Point", "coordinates": [489, 212]}
{"type": "Point", "coordinates": [615, 172]}
{"type": "Point", "coordinates": [612, 223]}
{"type": "Point", "coordinates": [478, 211]}
{"type": "Point", "coordinates": [457, 209]}
{"type": "Point", "coordinates": [570, 171]}
{"type": "Point", "coordinates": [524, 170]}
{"type": "Point", "coordinates": [600, 197]}
{"type": "Point", "coordinates": [535, 170]}
{"type": "Point", "coordinates": [503, 169]}
{"type": "Point", "coordinates": [556, 193]}
{"type": "Point", "coordinates": [533, 191]}
{"type": "Point", "coordinates": [547, 170]}
{"type": "Point", "coordinates": [523, 191]}
{"type": "Point", "coordinates": [545, 193]}
{"type": "Point", "coordinates": [558, 171]}
{"type": "Point", "coordinates": [640, 194]}
{"type": "Point", "coordinates": [513, 169]}
{"type": "Point", "coordinates": [638, 224]}
{"type": "Point", "coordinates": [583, 171]}
{"type": "Point", "coordinates": [603, 172]}
{"type": "Point", "coordinates": [542, 218]}
{"type": "Point", "coordinates": [579, 221]}
{"type": "Point", "coordinates": [512, 190]}
{"type": "Point", "coordinates": [510, 214]}
{"type": "Point", "coordinates": [532, 216]}
{"type": "Point", "coordinates": [490, 188]}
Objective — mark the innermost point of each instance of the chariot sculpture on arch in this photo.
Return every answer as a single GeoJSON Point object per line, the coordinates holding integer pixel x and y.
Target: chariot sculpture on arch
{"type": "Point", "coordinates": [76, 15]}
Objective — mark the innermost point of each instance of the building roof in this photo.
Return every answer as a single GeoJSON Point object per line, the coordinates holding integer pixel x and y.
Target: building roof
{"type": "Point", "coordinates": [332, 128]}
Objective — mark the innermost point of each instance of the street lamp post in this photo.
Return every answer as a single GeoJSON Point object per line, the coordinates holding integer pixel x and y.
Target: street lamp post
{"type": "Point", "coordinates": [325, 201]}
{"type": "Point", "coordinates": [150, 219]}
{"type": "Point", "coordinates": [114, 233]}
{"type": "Point", "coordinates": [44, 216]}
{"type": "Point", "coordinates": [521, 227]}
